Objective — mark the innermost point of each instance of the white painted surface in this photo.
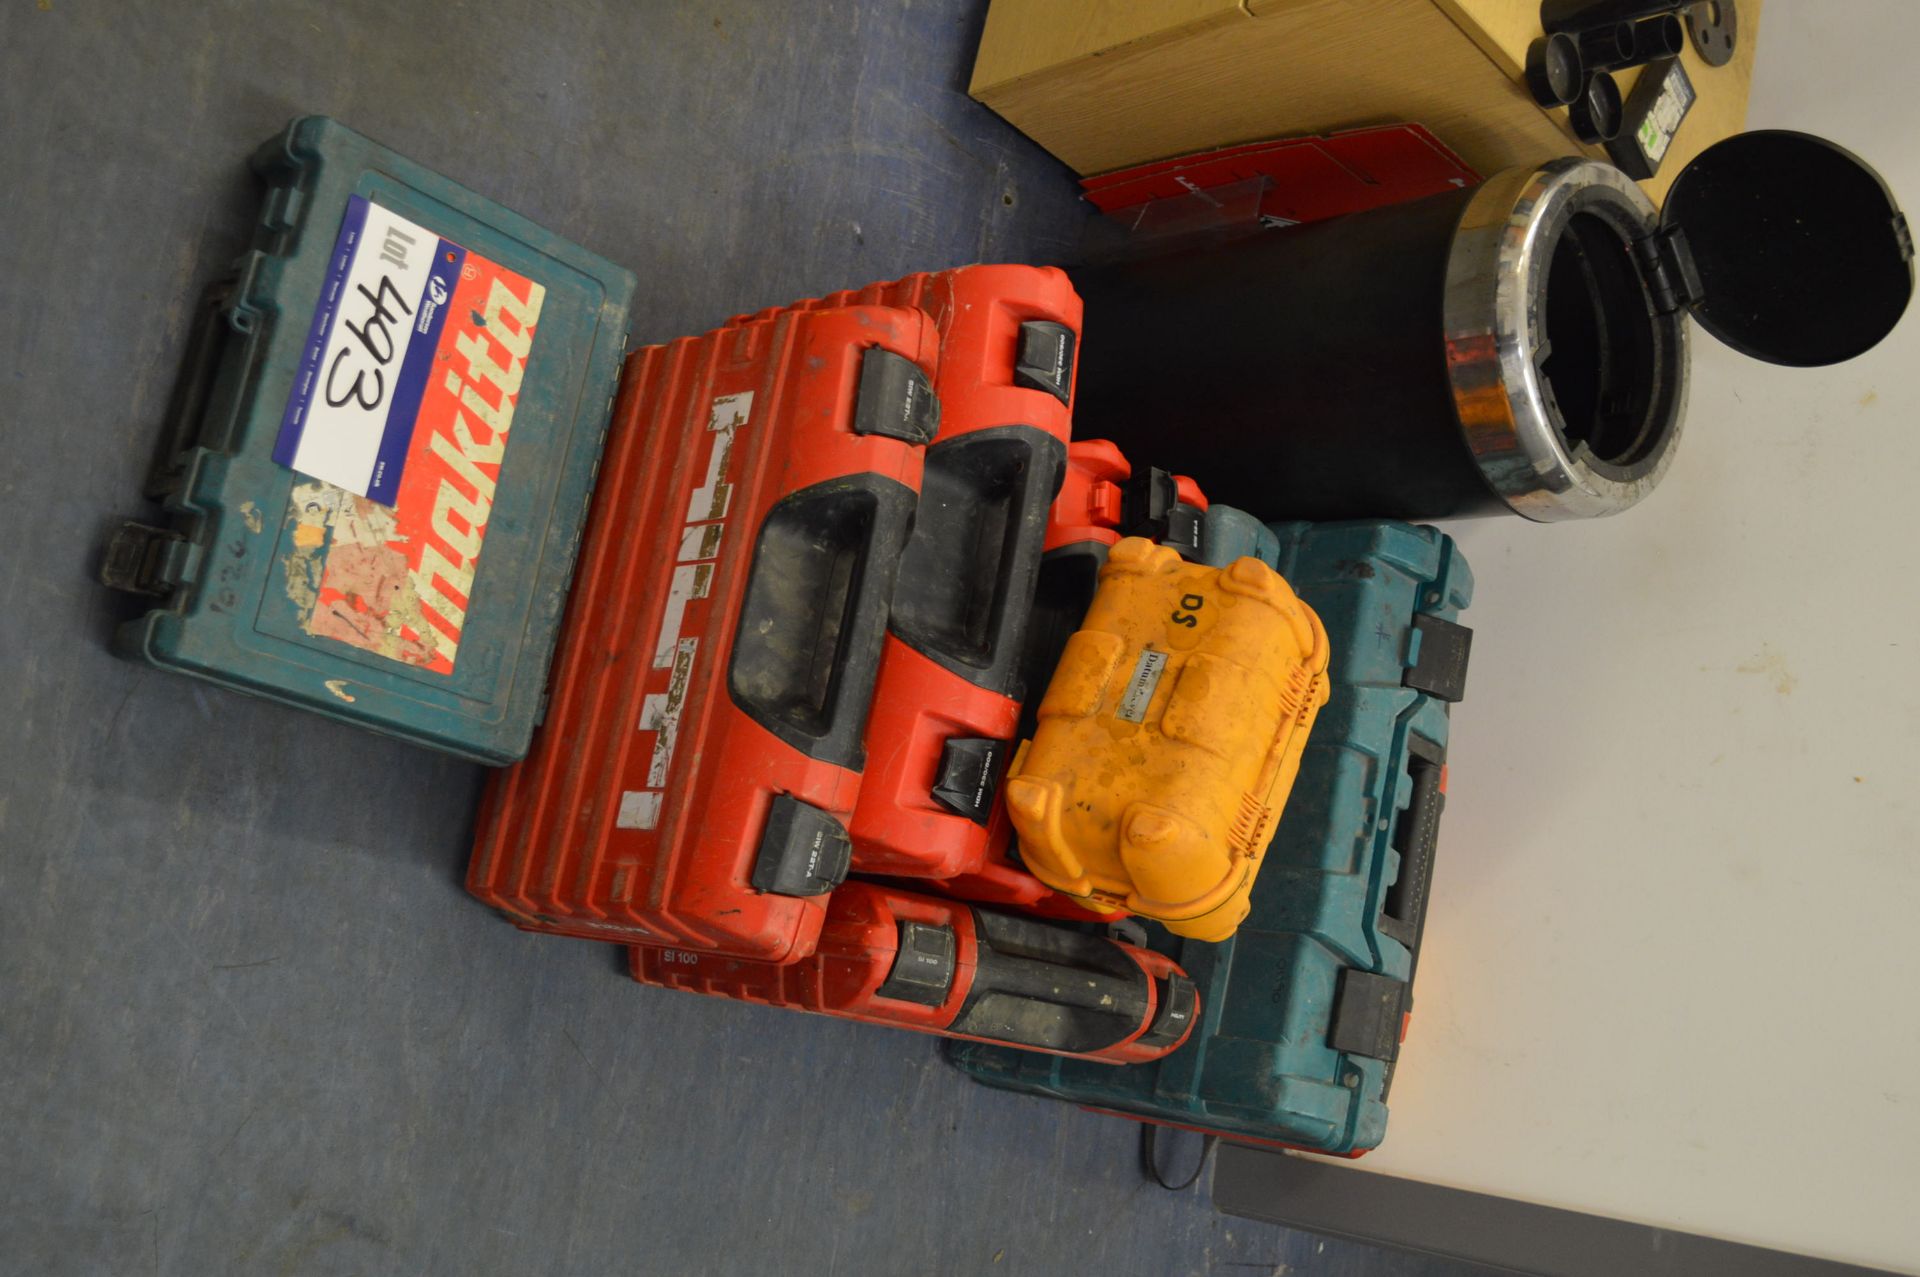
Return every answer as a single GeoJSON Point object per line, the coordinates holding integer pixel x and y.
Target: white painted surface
{"type": "Point", "coordinates": [1673, 962]}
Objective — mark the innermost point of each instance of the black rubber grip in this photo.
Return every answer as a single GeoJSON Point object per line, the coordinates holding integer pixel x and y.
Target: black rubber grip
{"type": "Point", "coordinates": [1041, 984]}
{"type": "Point", "coordinates": [1369, 1007]}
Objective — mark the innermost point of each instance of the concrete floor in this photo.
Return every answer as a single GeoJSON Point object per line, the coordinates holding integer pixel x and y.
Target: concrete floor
{"type": "Point", "coordinates": [249, 1020]}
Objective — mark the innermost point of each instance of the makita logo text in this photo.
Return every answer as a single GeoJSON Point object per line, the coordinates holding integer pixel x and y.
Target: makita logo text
{"type": "Point", "coordinates": [484, 368]}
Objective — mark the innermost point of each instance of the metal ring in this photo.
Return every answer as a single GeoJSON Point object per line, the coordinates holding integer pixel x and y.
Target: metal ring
{"type": "Point", "coordinates": [1495, 342]}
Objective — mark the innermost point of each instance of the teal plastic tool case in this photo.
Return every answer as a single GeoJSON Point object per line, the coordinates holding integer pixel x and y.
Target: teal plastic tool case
{"type": "Point", "coordinates": [1302, 1008]}
{"type": "Point", "coordinates": [380, 452]}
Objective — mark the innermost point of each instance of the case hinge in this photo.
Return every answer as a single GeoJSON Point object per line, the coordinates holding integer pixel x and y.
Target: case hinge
{"type": "Point", "coordinates": [142, 559]}
{"type": "Point", "coordinates": [1666, 263]}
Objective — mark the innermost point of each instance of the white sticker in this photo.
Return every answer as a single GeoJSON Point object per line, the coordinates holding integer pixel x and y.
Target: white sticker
{"type": "Point", "coordinates": [711, 498]}
{"type": "Point", "coordinates": [700, 541]}
{"type": "Point", "coordinates": [689, 583]}
{"type": "Point", "coordinates": [666, 715]}
{"type": "Point", "coordinates": [370, 352]}
{"type": "Point", "coordinates": [639, 809]}
{"type": "Point", "coordinates": [1139, 693]}
{"type": "Point", "coordinates": [692, 579]}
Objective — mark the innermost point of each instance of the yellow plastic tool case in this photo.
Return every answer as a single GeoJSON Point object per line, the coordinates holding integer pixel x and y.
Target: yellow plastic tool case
{"type": "Point", "coordinates": [1169, 739]}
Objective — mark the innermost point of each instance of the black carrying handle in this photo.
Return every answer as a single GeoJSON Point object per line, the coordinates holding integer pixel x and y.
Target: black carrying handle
{"type": "Point", "coordinates": [807, 648]}
{"type": "Point", "coordinates": [207, 404]}
{"type": "Point", "coordinates": [1403, 912]}
{"type": "Point", "coordinates": [1369, 1009]}
{"type": "Point", "coordinates": [1067, 581]}
{"type": "Point", "coordinates": [967, 584]}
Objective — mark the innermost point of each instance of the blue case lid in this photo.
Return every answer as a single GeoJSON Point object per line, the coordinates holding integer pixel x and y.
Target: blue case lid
{"type": "Point", "coordinates": [434, 374]}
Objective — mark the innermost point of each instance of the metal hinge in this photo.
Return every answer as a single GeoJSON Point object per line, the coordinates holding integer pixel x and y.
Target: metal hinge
{"type": "Point", "coordinates": [1666, 263]}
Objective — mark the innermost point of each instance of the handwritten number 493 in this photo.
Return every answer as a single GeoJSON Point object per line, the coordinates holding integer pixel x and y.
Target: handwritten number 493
{"type": "Point", "coordinates": [375, 338]}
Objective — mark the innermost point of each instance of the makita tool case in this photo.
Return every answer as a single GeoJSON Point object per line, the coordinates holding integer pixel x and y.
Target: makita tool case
{"type": "Point", "coordinates": [1302, 1010]}
{"type": "Point", "coordinates": [379, 453]}
{"type": "Point", "coordinates": [704, 743]}
{"type": "Point", "coordinates": [895, 957]}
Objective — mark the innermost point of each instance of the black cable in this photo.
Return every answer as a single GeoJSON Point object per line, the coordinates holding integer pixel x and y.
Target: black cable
{"type": "Point", "coordinates": [1149, 1138]}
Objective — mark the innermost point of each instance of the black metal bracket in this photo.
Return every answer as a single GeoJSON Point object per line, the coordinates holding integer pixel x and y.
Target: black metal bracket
{"type": "Point", "coordinates": [1666, 263]}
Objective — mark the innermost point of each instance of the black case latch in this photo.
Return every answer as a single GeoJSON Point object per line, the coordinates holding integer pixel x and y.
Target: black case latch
{"type": "Point", "coordinates": [895, 399]}
{"type": "Point", "coordinates": [142, 559]}
{"type": "Point", "coordinates": [969, 776]}
{"type": "Point", "coordinates": [1045, 358]}
{"type": "Point", "coordinates": [1368, 1010]}
{"type": "Point", "coordinates": [1440, 668]}
{"type": "Point", "coordinates": [804, 851]}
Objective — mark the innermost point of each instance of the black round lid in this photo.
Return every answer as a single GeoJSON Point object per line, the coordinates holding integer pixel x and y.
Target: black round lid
{"type": "Point", "coordinates": [1804, 257]}
{"type": "Point", "coordinates": [1553, 70]}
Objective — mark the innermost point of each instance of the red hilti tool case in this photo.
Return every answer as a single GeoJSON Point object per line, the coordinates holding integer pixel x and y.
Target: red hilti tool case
{"type": "Point", "coordinates": [704, 742]}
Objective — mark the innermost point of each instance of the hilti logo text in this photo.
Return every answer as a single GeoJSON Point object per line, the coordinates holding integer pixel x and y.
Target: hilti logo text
{"type": "Point", "coordinates": [693, 573]}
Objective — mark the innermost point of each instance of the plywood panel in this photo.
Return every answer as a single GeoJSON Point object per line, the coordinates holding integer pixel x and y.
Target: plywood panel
{"type": "Point", "coordinates": [1308, 67]}
{"type": "Point", "coordinates": [1021, 39]}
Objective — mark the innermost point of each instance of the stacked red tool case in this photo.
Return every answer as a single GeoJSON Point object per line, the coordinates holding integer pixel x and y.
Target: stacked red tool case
{"type": "Point", "coordinates": [832, 548]}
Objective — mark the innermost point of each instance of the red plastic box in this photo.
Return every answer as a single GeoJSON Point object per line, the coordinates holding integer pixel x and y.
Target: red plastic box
{"type": "Point", "coordinates": [703, 744]}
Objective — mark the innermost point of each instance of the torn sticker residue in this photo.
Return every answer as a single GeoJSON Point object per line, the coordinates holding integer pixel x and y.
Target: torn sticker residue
{"type": "Point", "coordinates": [397, 580]}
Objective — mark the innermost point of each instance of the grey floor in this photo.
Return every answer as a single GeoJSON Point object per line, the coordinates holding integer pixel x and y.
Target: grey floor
{"type": "Point", "coordinates": [249, 1020]}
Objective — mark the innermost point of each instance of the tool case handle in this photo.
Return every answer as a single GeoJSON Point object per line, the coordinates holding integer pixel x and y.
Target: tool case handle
{"type": "Point", "coordinates": [1403, 910]}
{"type": "Point", "coordinates": [1068, 577]}
{"type": "Point", "coordinates": [1370, 1009]}
{"type": "Point", "coordinates": [208, 402]}
{"type": "Point", "coordinates": [813, 621]}
{"type": "Point", "coordinates": [967, 584]}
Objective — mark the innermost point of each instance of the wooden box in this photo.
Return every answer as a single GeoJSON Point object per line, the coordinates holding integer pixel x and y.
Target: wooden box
{"type": "Point", "coordinates": [1106, 84]}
